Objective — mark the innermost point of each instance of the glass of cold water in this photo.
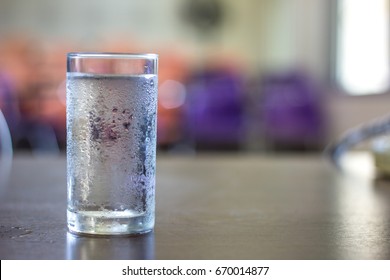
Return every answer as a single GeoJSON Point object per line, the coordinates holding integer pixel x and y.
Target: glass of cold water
{"type": "Point", "coordinates": [111, 142]}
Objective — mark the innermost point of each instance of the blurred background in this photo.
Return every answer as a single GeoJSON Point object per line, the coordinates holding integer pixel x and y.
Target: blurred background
{"type": "Point", "coordinates": [251, 75]}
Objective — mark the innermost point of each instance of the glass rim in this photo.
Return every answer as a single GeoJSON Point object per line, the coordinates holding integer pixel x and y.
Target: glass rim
{"type": "Point", "coordinates": [112, 55]}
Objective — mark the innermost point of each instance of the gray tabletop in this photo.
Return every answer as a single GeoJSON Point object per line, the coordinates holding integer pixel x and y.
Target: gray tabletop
{"type": "Point", "coordinates": [221, 206]}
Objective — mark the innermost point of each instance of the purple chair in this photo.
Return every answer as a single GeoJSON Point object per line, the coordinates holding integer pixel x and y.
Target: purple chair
{"type": "Point", "coordinates": [291, 112]}
{"type": "Point", "coordinates": [214, 110]}
{"type": "Point", "coordinates": [26, 134]}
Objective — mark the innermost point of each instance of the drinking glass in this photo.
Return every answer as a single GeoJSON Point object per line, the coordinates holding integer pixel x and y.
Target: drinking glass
{"type": "Point", "coordinates": [6, 153]}
{"type": "Point", "coordinates": [376, 131]}
{"type": "Point", "coordinates": [111, 142]}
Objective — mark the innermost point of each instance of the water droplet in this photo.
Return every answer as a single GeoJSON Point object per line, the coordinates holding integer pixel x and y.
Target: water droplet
{"type": "Point", "coordinates": [126, 125]}
{"type": "Point", "coordinates": [124, 111]}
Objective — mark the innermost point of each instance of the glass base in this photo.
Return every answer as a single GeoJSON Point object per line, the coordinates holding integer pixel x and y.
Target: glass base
{"type": "Point", "coordinates": [109, 222]}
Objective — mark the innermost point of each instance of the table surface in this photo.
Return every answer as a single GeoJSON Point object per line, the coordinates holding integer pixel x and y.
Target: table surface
{"type": "Point", "coordinates": [211, 206]}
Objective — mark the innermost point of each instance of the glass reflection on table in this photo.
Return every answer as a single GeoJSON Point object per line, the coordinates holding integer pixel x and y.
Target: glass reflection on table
{"type": "Point", "coordinates": [104, 248]}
